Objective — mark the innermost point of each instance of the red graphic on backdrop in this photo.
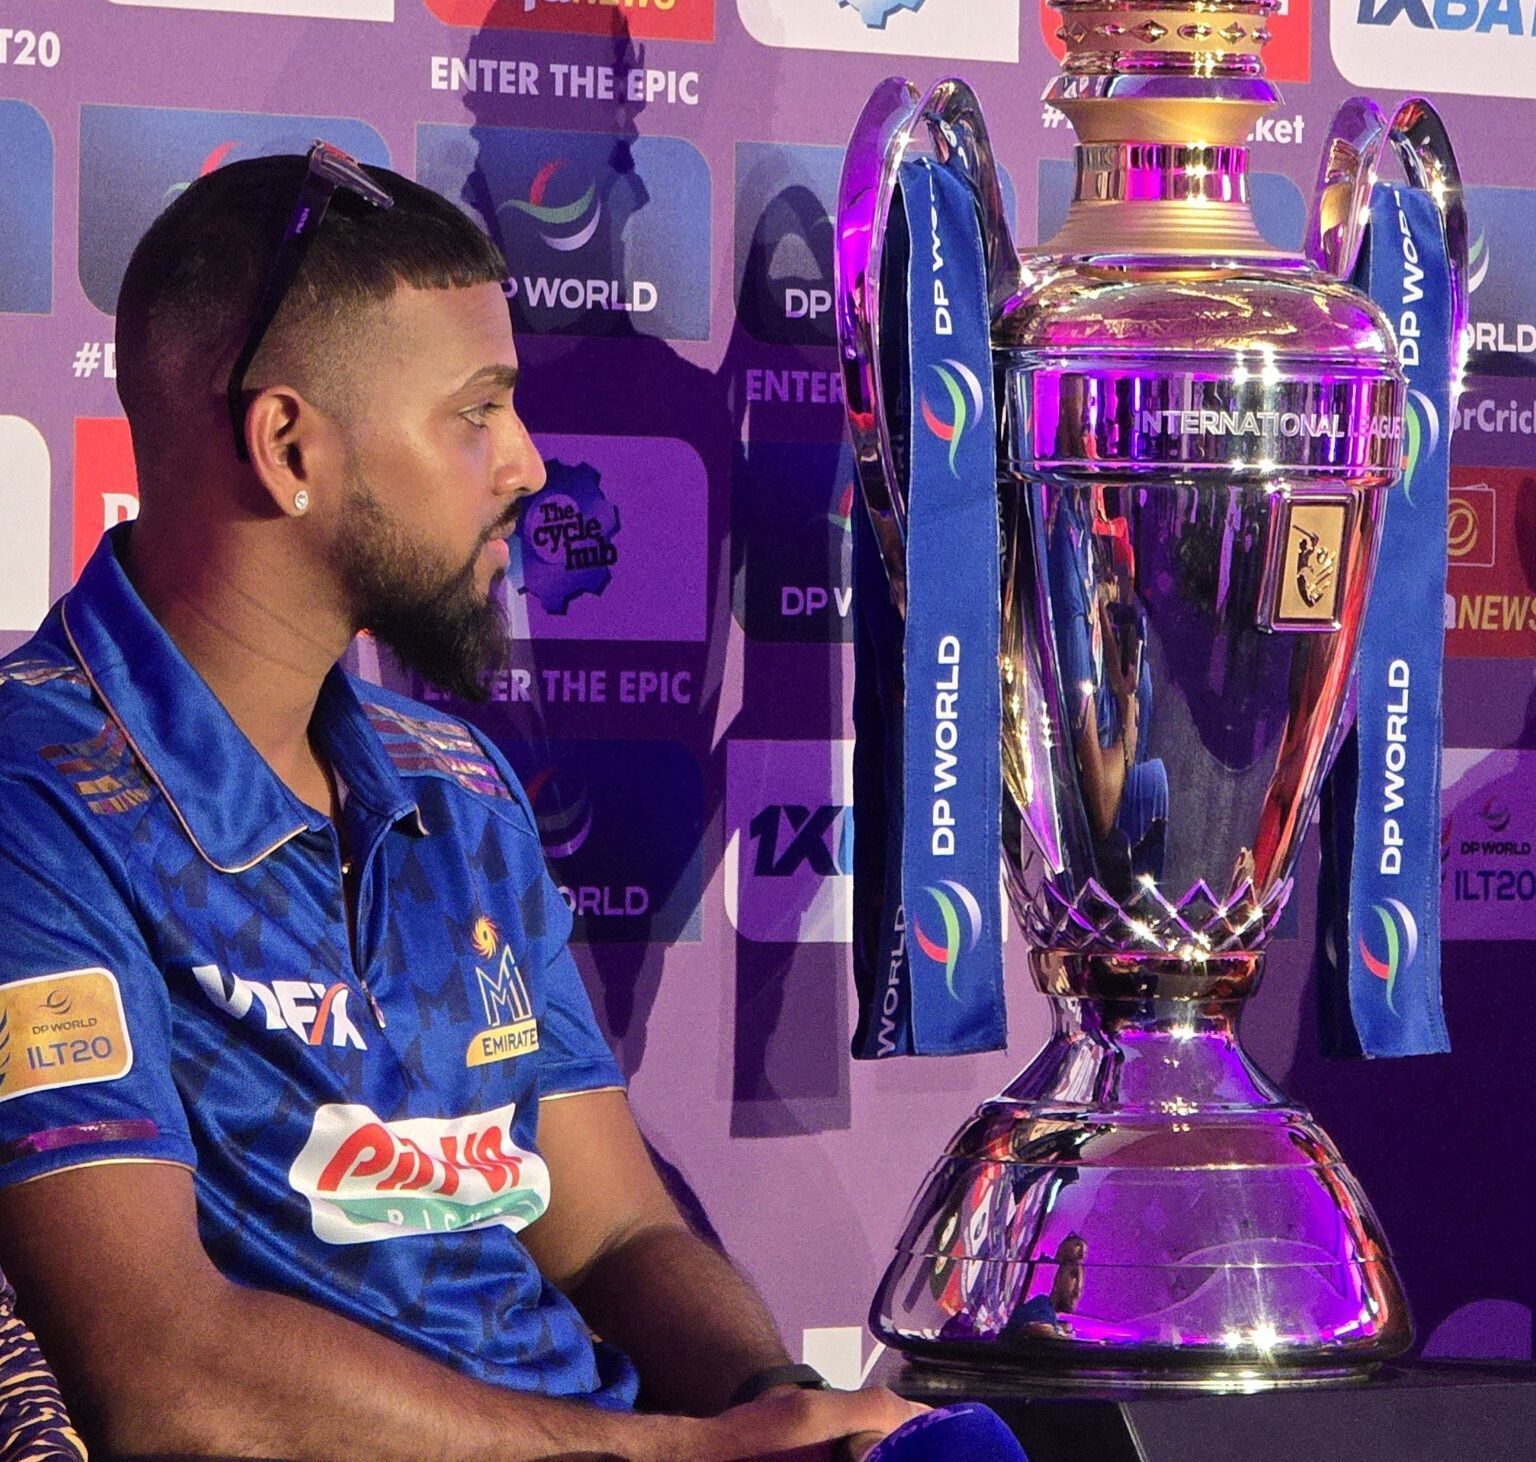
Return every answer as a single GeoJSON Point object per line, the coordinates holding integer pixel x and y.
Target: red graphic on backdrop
{"type": "Point", "coordinates": [660, 20]}
{"type": "Point", "coordinates": [106, 482]}
{"type": "Point", "coordinates": [1287, 57]}
{"type": "Point", "coordinates": [1490, 590]}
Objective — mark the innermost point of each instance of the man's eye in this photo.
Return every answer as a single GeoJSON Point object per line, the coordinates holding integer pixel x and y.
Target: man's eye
{"type": "Point", "coordinates": [480, 415]}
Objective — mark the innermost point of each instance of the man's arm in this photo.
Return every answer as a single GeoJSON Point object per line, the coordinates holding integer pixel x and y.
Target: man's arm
{"type": "Point", "coordinates": [158, 1353]}
{"type": "Point", "coordinates": [613, 1240]}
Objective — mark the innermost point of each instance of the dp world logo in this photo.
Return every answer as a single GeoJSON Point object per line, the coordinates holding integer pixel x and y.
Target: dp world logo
{"type": "Point", "coordinates": [1421, 429]}
{"type": "Point", "coordinates": [563, 814]}
{"type": "Point", "coordinates": [1495, 813]}
{"type": "Point", "coordinates": [567, 225]}
{"type": "Point", "coordinates": [955, 904]}
{"type": "Point", "coordinates": [1399, 943]}
{"type": "Point", "coordinates": [959, 409]}
{"type": "Point", "coordinates": [1478, 260]}
{"type": "Point", "coordinates": [135, 160]}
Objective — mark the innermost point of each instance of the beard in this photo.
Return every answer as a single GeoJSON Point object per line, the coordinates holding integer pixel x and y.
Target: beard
{"type": "Point", "coordinates": [427, 611]}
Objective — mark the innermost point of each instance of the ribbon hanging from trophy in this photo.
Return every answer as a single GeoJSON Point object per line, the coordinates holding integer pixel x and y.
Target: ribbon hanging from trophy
{"type": "Point", "coordinates": [927, 759]}
{"type": "Point", "coordinates": [1379, 901]}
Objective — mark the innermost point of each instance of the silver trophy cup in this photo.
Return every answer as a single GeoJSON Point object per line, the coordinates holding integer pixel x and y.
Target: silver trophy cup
{"type": "Point", "coordinates": [1198, 434]}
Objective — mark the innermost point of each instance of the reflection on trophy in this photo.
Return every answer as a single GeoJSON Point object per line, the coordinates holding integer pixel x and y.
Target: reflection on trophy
{"type": "Point", "coordinates": [1198, 437]}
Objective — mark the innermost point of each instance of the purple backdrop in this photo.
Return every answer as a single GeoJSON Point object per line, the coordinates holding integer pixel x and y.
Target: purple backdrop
{"type": "Point", "coordinates": [659, 173]}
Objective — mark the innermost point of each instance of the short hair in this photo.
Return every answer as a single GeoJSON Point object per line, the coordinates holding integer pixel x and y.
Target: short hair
{"type": "Point", "coordinates": [192, 286]}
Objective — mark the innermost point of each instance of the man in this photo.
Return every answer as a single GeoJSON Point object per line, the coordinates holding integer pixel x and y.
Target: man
{"type": "Point", "coordinates": [308, 1144]}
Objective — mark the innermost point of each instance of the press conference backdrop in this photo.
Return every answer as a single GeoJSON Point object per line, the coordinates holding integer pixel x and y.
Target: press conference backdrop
{"type": "Point", "coordinates": [660, 175]}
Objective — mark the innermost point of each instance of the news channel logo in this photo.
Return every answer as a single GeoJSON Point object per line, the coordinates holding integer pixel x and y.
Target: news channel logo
{"type": "Point", "coordinates": [605, 235]}
{"type": "Point", "coordinates": [26, 210]}
{"type": "Point", "coordinates": [134, 161]}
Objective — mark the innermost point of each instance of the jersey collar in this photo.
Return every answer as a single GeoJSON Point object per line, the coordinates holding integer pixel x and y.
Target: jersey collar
{"type": "Point", "coordinates": [233, 807]}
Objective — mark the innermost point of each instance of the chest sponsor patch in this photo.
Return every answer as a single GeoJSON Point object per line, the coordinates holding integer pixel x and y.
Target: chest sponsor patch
{"type": "Point", "coordinates": [368, 1179]}
{"type": "Point", "coordinates": [62, 1030]}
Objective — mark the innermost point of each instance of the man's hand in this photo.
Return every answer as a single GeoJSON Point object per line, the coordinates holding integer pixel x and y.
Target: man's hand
{"type": "Point", "coordinates": [809, 1426]}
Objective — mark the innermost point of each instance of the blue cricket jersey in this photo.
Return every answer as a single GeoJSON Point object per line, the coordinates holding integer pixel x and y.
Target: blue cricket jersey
{"type": "Point", "coordinates": [178, 984]}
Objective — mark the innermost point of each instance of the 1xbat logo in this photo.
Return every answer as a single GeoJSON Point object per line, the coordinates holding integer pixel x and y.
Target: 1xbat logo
{"type": "Point", "coordinates": [820, 838]}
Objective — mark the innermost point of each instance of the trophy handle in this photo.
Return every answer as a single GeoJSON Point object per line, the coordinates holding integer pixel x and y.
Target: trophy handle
{"type": "Point", "coordinates": [888, 127]}
{"type": "Point", "coordinates": [1358, 139]}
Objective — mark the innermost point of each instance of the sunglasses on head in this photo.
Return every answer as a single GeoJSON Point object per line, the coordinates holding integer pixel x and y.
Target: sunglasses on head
{"type": "Point", "coordinates": [329, 169]}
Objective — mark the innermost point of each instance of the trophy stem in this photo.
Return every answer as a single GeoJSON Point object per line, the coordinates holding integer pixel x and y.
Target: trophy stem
{"type": "Point", "coordinates": [1144, 1201]}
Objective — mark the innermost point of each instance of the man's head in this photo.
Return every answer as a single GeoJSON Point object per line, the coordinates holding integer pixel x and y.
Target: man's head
{"type": "Point", "coordinates": [386, 457]}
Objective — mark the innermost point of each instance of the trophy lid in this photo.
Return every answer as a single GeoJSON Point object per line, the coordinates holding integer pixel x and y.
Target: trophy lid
{"type": "Point", "coordinates": [1189, 72]}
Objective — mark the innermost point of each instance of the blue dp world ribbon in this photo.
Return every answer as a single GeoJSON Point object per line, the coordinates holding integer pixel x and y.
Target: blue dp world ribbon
{"type": "Point", "coordinates": [927, 764]}
{"type": "Point", "coordinates": [1380, 898]}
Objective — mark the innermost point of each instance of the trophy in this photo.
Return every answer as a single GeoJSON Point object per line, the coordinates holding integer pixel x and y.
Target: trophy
{"type": "Point", "coordinates": [1198, 435]}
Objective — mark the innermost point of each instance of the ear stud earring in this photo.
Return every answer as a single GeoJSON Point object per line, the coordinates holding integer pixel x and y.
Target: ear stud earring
{"type": "Point", "coordinates": [301, 501]}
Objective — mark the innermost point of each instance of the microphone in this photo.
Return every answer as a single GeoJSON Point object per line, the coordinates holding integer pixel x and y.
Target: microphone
{"type": "Point", "coordinates": [968, 1432]}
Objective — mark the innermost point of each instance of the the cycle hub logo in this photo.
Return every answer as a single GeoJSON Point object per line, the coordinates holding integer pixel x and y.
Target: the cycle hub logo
{"type": "Point", "coordinates": [26, 211]}
{"type": "Point", "coordinates": [1390, 950]}
{"type": "Point", "coordinates": [1478, 47]}
{"type": "Point", "coordinates": [957, 929]}
{"type": "Point", "coordinates": [785, 196]}
{"type": "Point", "coordinates": [959, 407]}
{"type": "Point", "coordinates": [875, 13]}
{"type": "Point", "coordinates": [564, 544]}
{"type": "Point", "coordinates": [134, 160]}
{"type": "Point", "coordinates": [605, 235]}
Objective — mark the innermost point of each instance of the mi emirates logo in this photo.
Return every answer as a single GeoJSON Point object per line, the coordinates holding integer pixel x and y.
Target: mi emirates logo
{"type": "Point", "coordinates": [510, 1028]}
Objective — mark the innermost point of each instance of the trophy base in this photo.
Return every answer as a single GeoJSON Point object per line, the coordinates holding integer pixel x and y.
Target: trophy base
{"type": "Point", "coordinates": [1143, 1204]}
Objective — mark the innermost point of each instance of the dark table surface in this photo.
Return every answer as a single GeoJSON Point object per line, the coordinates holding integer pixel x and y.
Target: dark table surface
{"type": "Point", "coordinates": [1423, 1411]}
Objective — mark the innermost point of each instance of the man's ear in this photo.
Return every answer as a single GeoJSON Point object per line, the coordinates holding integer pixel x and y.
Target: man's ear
{"type": "Point", "coordinates": [287, 437]}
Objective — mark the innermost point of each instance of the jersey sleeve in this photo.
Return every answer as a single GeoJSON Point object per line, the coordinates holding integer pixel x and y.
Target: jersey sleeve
{"type": "Point", "coordinates": [573, 1054]}
{"type": "Point", "coordinates": [85, 1020]}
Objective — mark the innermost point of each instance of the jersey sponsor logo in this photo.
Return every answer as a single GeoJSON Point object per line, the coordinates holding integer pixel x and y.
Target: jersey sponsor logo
{"type": "Point", "coordinates": [62, 1030]}
{"type": "Point", "coordinates": [510, 1028]}
{"type": "Point", "coordinates": [317, 1014]}
{"type": "Point", "coordinates": [368, 1179]}
{"type": "Point", "coordinates": [1477, 47]}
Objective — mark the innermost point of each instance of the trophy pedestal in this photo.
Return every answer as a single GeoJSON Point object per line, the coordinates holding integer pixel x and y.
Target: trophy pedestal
{"type": "Point", "coordinates": [1143, 1204]}
{"type": "Point", "coordinates": [1421, 1412]}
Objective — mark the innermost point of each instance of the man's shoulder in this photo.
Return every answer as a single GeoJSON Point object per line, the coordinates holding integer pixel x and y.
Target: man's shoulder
{"type": "Point", "coordinates": [56, 736]}
{"type": "Point", "coordinates": [425, 741]}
